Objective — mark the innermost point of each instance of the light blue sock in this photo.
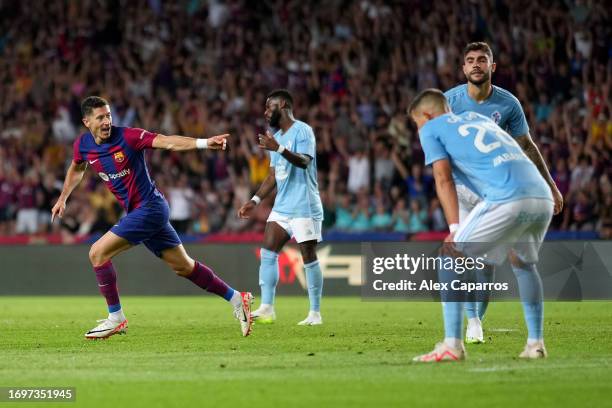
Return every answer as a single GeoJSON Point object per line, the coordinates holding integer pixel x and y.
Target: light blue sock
{"type": "Point", "coordinates": [314, 279]}
{"type": "Point", "coordinates": [452, 304]}
{"type": "Point", "coordinates": [530, 289]}
{"type": "Point", "coordinates": [453, 319]}
{"type": "Point", "coordinates": [487, 275]}
{"type": "Point", "coordinates": [471, 305]}
{"type": "Point", "coordinates": [268, 276]}
{"type": "Point", "coordinates": [471, 309]}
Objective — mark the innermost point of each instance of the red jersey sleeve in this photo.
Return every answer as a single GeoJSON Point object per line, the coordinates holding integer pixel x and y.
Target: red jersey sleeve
{"type": "Point", "coordinates": [77, 157]}
{"type": "Point", "coordinates": [138, 139]}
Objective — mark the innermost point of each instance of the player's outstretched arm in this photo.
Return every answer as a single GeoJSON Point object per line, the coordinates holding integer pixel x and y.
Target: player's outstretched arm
{"type": "Point", "coordinates": [268, 142]}
{"type": "Point", "coordinates": [73, 178]}
{"type": "Point", "coordinates": [266, 188]}
{"type": "Point", "coordinates": [182, 143]}
{"type": "Point", "coordinates": [532, 151]}
{"type": "Point", "coordinates": [445, 188]}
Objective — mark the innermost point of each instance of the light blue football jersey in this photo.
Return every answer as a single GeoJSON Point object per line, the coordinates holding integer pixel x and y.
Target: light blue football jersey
{"type": "Point", "coordinates": [484, 155]}
{"type": "Point", "coordinates": [501, 107]}
{"type": "Point", "coordinates": [297, 193]}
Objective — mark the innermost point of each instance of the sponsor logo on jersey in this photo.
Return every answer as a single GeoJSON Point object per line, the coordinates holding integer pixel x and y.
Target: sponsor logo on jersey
{"type": "Point", "coordinates": [114, 176]}
{"type": "Point", "coordinates": [496, 116]}
{"type": "Point", "coordinates": [506, 157]}
{"type": "Point", "coordinates": [119, 157]}
{"type": "Point", "coordinates": [280, 169]}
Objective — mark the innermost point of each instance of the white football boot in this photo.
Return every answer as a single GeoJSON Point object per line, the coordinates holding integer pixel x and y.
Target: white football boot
{"type": "Point", "coordinates": [107, 328]}
{"type": "Point", "coordinates": [534, 351]}
{"type": "Point", "coordinates": [313, 319]}
{"type": "Point", "coordinates": [242, 312]}
{"type": "Point", "coordinates": [442, 353]}
{"type": "Point", "coordinates": [264, 314]}
{"type": "Point", "coordinates": [473, 333]}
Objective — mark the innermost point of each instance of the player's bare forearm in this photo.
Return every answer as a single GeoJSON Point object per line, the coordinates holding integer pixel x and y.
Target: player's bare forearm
{"type": "Point", "coordinates": [532, 151]}
{"type": "Point", "coordinates": [447, 193]}
{"type": "Point", "coordinates": [73, 178]}
{"type": "Point", "coordinates": [177, 143]}
{"type": "Point", "coordinates": [399, 165]}
{"type": "Point", "coordinates": [267, 186]}
{"type": "Point", "coordinates": [267, 142]}
{"type": "Point", "coordinates": [448, 199]}
{"type": "Point", "coordinates": [174, 143]}
{"type": "Point", "coordinates": [74, 175]}
{"type": "Point", "coordinates": [300, 160]}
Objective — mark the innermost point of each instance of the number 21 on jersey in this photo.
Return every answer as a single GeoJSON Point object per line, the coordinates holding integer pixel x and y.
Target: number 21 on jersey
{"type": "Point", "coordinates": [487, 129]}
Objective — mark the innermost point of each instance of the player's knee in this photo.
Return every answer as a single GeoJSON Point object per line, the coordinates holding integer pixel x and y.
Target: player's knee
{"type": "Point", "coordinates": [309, 254]}
{"type": "Point", "coordinates": [96, 255]}
{"type": "Point", "coordinates": [268, 257]}
{"type": "Point", "coordinates": [309, 258]}
{"type": "Point", "coordinates": [515, 261]}
{"type": "Point", "coordinates": [178, 260]}
{"type": "Point", "coordinates": [271, 245]}
{"type": "Point", "coordinates": [181, 268]}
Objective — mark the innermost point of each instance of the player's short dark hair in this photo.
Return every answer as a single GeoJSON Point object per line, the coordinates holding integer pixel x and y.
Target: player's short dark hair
{"type": "Point", "coordinates": [282, 94]}
{"type": "Point", "coordinates": [478, 46]}
{"type": "Point", "coordinates": [428, 95]}
{"type": "Point", "coordinates": [90, 103]}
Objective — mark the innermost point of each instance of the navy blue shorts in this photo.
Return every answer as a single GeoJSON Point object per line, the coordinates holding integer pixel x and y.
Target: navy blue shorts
{"type": "Point", "coordinates": [149, 225]}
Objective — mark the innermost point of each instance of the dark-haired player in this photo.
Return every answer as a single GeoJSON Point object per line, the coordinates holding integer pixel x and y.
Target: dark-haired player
{"type": "Point", "coordinates": [297, 210]}
{"type": "Point", "coordinates": [510, 220]}
{"type": "Point", "coordinates": [116, 155]}
{"type": "Point", "coordinates": [481, 96]}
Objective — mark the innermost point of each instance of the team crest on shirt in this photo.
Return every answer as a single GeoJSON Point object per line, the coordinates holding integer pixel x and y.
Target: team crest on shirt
{"type": "Point", "coordinates": [119, 157]}
{"type": "Point", "coordinates": [496, 116]}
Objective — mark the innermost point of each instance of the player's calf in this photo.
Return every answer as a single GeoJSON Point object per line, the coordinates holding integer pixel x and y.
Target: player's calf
{"type": "Point", "coordinates": [314, 280]}
{"type": "Point", "coordinates": [182, 270]}
{"type": "Point", "coordinates": [205, 278]}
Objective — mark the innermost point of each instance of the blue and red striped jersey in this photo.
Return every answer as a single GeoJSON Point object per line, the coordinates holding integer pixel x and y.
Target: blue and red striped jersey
{"type": "Point", "coordinates": [120, 162]}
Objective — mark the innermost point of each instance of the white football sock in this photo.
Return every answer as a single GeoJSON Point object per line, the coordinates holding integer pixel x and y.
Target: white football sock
{"type": "Point", "coordinates": [236, 299]}
{"type": "Point", "coordinates": [265, 308]}
{"type": "Point", "coordinates": [535, 342]}
{"type": "Point", "coordinates": [117, 316]}
{"type": "Point", "coordinates": [453, 342]}
{"type": "Point", "coordinates": [314, 315]}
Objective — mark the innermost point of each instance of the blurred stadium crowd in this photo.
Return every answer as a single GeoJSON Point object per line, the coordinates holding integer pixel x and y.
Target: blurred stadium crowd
{"type": "Point", "coordinates": [200, 68]}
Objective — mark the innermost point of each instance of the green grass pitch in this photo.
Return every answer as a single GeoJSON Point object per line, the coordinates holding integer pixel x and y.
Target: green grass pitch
{"type": "Point", "coordinates": [188, 352]}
